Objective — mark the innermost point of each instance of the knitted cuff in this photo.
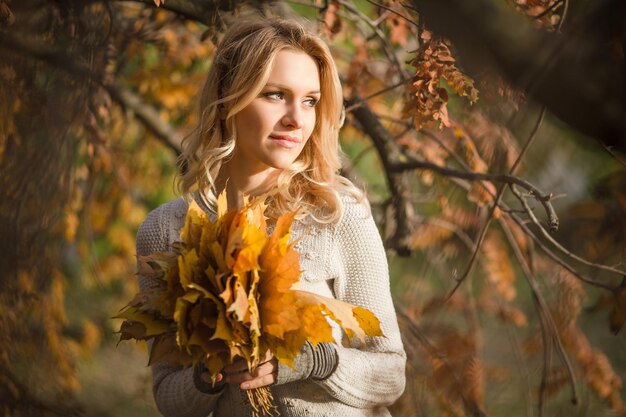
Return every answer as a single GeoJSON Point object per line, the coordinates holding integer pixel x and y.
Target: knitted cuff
{"type": "Point", "coordinates": [202, 385]}
{"type": "Point", "coordinates": [316, 363]}
{"type": "Point", "coordinates": [324, 360]}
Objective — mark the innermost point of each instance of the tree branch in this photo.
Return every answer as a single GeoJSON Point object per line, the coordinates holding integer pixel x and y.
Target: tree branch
{"type": "Point", "coordinates": [498, 198]}
{"type": "Point", "coordinates": [387, 49]}
{"type": "Point", "coordinates": [546, 235]}
{"type": "Point", "coordinates": [202, 11]}
{"type": "Point", "coordinates": [557, 259]}
{"type": "Point", "coordinates": [148, 115]}
{"type": "Point", "coordinates": [584, 83]}
{"type": "Point", "coordinates": [543, 198]}
{"type": "Point", "coordinates": [460, 183]}
{"type": "Point", "coordinates": [385, 146]}
{"type": "Point", "coordinates": [544, 315]}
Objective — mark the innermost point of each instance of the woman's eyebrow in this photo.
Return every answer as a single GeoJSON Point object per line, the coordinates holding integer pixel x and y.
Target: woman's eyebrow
{"type": "Point", "coordinates": [284, 87]}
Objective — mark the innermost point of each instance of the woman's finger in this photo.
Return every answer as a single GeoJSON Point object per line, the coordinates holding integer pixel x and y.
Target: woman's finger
{"type": "Point", "coordinates": [262, 371]}
{"type": "Point", "coordinates": [240, 365]}
{"type": "Point", "coordinates": [262, 381]}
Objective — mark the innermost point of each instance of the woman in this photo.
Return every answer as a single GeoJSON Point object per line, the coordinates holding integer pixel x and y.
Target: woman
{"type": "Point", "coordinates": [269, 119]}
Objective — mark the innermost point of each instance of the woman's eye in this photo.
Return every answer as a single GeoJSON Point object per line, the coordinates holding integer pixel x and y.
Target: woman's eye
{"type": "Point", "coordinates": [311, 101]}
{"type": "Point", "coordinates": [275, 95]}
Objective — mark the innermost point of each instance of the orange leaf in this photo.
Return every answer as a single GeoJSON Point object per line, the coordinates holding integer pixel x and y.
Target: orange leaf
{"type": "Point", "coordinates": [344, 314]}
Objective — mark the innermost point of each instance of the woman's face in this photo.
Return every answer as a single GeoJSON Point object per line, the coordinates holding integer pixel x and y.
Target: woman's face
{"type": "Point", "coordinates": [273, 129]}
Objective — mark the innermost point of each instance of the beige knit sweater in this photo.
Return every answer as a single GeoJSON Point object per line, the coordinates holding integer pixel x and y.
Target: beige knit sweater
{"type": "Point", "coordinates": [346, 261]}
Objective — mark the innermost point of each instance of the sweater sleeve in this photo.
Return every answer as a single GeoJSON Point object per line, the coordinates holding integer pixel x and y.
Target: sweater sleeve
{"type": "Point", "coordinates": [373, 375]}
{"type": "Point", "coordinates": [173, 387]}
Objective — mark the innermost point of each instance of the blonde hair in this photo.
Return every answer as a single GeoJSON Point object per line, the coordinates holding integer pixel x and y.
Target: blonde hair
{"type": "Point", "coordinates": [240, 69]}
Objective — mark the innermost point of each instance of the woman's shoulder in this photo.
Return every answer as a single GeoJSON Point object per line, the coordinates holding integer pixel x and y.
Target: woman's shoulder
{"type": "Point", "coordinates": [355, 207]}
{"type": "Point", "coordinates": [161, 223]}
{"type": "Point", "coordinates": [166, 212]}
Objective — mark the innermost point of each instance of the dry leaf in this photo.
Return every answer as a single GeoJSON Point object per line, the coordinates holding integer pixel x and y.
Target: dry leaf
{"type": "Point", "coordinates": [227, 291]}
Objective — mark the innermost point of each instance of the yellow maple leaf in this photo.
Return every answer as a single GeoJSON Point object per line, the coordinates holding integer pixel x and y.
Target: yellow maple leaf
{"type": "Point", "coordinates": [152, 325]}
{"type": "Point", "coordinates": [228, 290]}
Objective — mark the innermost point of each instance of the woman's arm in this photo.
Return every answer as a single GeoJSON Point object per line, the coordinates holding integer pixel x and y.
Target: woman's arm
{"type": "Point", "coordinates": [374, 376]}
{"type": "Point", "coordinates": [174, 389]}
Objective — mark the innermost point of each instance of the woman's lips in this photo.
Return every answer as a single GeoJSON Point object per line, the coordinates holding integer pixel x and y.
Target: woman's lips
{"type": "Point", "coordinates": [285, 141]}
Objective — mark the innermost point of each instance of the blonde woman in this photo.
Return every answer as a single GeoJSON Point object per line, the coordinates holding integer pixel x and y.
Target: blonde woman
{"type": "Point", "coordinates": [270, 113]}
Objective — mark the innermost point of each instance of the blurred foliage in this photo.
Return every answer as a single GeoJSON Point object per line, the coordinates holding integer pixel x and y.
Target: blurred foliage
{"type": "Point", "coordinates": [94, 98]}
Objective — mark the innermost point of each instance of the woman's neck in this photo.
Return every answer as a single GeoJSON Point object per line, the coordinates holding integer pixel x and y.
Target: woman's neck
{"type": "Point", "coordinates": [239, 183]}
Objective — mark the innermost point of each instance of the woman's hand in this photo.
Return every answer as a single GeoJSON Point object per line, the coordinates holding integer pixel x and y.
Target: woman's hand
{"type": "Point", "coordinates": [237, 373]}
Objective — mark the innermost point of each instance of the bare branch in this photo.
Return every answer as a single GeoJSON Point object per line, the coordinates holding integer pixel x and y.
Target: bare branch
{"type": "Point", "coordinates": [206, 12]}
{"type": "Point", "coordinates": [385, 146]}
{"type": "Point", "coordinates": [523, 368]}
{"type": "Point", "coordinates": [549, 9]}
{"type": "Point", "coordinates": [453, 154]}
{"type": "Point", "coordinates": [387, 49]}
{"type": "Point", "coordinates": [486, 34]}
{"type": "Point", "coordinates": [148, 115]}
{"type": "Point", "coordinates": [560, 247]}
{"type": "Point", "coordinates": [400, 15]}
{"type": "Point", "coordinates": [461, 235]}
{"type": "Point", "coordinates": [59, 59]}
{"type": "Point", "coordinates": [465, 186]}
{"type": "Point", "coordinates": [382, 91]}
{"type": "Point", "coordinates": [544, 315]}
{"type": "Point", "coordinates": [557, 259]}
{"type": "Point", "coordinates": [543, 198]}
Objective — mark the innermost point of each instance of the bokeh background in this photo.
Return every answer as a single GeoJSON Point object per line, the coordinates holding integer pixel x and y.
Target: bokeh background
{"type": "Point", "coordinates": [489, 136]}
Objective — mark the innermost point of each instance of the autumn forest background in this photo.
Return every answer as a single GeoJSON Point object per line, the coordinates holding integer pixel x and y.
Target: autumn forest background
{"type": "Point", "coordinates": [489, 135]}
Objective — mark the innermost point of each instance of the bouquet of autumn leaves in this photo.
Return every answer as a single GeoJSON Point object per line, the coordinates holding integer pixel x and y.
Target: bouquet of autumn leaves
{"type": "Point", "coordinates": [229, 290]}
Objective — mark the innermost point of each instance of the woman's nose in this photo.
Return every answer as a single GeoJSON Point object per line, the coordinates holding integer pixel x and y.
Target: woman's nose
{"type": "Point", "coordinates": [292, 117]}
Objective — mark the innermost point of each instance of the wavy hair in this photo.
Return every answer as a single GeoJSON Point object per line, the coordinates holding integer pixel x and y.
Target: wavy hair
{"type": "Point", "coordinates": [240, 69]}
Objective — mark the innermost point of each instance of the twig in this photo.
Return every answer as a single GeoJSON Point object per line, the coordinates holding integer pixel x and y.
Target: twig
{"type": "Point", "coordinates": [382, 6]}
{"type": "Point", "coordinates": [546, 235]}
{"type": "Point", "coordinates": [463, 237]}
{"type": "Point", "coordinates": [549, 9]}
{"type": "Point", "coordinates": [305, 3]}
{"type": "Point", "coordinates": [614, 155]}
{"type": "Point", "coordinates": [196, 11]}
{"type": "Point", "coordinates": [406, 130]}
{"type": "Point", "coordinates": [453, 154]}
{"type": "Point", "coordinates": [379, 92]}
{"type": "Point", "coordinates": [522, 367]}
{"type": "Point", "coordinates": [379, 34]}
{"type": "Point", "coordinates": [547, 359]}
{"type": "Point", "coordinates": [543, 198]}
{"type": "Point", "coordinates": [541, 312]}
{"type": "Point", "coordinates": [396, 121]}
{"type": "Point", "coordinates": [558, 260]}
{"type": "Point", "coordinates": [498, 198]}
{"type": "Point", "coordinates": [544, 314]}
{"type": "Point", "coordinates": [460, 183]}
{"type": "Point", "coordinates": [147, 115]}
{"type": "Point", "coordinates": [563, 15]}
